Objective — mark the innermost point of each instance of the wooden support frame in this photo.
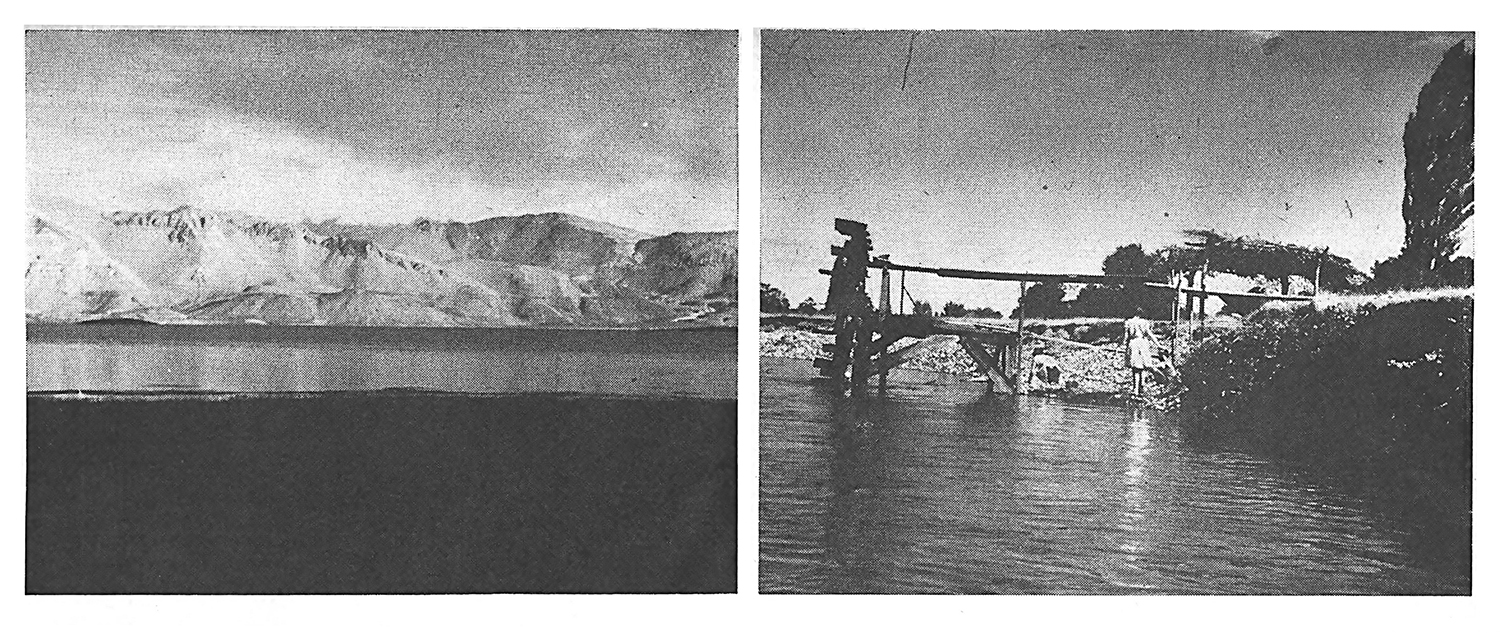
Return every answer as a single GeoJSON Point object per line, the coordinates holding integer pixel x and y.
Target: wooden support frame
{"type": "Point", "coordinates": [888, 361]}
{"type": "Point", "coordinates": [858, 354]}
{"type": "Point", "coordinates": [990, 365]}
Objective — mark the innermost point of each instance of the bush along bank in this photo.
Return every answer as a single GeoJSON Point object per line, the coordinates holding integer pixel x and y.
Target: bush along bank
{"type": "Point", "coordinates": [1382, 397]}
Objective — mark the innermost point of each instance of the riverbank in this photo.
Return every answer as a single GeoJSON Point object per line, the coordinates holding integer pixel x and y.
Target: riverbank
{"type": "Point", "coordinates": [1088, 350]}
{"type": "Point", "coordinates": [1377, 392]}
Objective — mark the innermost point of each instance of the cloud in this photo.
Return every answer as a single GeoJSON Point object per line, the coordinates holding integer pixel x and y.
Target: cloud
{"type": "Point", "coordinates": [1441, 41]}
{"type": "Point", "coordinates": [388, 125]}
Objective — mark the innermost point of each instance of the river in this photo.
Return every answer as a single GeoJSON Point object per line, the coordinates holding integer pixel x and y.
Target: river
{"type": "Point", "coordinates": [940, 488]}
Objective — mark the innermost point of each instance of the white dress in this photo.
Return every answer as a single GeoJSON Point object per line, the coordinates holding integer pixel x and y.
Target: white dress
{"type": "Point", "coordinates": [1139, 349]}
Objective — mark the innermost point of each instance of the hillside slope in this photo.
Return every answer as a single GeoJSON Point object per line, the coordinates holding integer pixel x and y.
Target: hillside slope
{"type": "Point", "coordinates": [688, 266]}
{"type": "Point", "coordinates": [547, 270]}
{"type": "Point", "coordinates": [69, 274]}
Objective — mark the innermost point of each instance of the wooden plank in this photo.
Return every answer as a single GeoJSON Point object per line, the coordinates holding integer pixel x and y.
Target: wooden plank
{"type": "Point", "coordinates": [989, 334]}
{"type": "Point", "coordinates": [1200, 292]}
{"type": "Point", "coordinates": [892, 360]}
{"type": "Point", "coordinates": [986, 363]}
{"type": "Point", "coordinates": [958, 273]}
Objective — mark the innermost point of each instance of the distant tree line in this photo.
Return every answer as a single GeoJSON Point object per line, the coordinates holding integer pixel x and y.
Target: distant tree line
{"type": "Point", "coordinates": [774, 301]}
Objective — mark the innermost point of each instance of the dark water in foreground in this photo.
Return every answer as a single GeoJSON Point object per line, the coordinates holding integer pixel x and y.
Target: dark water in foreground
{"type": "Point", "coordinates": [256, 358]}
{"type": "Point", "coordinates": [382, 493]}
{"type": "Point", "coordinates": [264, 459]}
{"type": "Point", "coordinates": [938, 488]}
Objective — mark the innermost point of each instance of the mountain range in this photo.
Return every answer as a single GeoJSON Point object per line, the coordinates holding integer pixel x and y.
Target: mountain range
{"type": "Point", "coordinates": [553, 269]}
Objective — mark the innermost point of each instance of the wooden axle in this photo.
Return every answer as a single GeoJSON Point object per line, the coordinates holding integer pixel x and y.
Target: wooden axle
{"type": "Point", "coordinates": [959, 273]}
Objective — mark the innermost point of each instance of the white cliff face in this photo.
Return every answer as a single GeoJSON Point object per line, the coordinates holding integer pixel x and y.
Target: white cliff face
{"type": "Point", "coordinates": [195, 256]}
{"type": "Point", "coordinates": [218, 268]}
{"type": "Point", "coordinates": [68, 274]}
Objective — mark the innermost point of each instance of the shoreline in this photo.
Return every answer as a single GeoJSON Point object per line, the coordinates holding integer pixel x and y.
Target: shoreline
{"type": "Point", "coordinates": [393, 393]}
{"type": "Point", "coordinates": [650, 364]}
{"type": "Point", "coordinates": [1091, 373]}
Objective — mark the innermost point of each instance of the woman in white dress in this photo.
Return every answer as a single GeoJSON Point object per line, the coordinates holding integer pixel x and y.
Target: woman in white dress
{"type": "Point", "coordinates": [1140, 343]}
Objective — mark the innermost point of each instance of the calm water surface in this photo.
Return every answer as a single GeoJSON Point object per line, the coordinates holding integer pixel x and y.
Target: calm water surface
{"type": "Point", "coordinates": [939, 488]}
{"type": "Point", "coordinates": [686, 363]}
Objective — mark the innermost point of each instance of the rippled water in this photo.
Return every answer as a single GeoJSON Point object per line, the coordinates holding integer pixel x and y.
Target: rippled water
{"type": "Point", "coordinates": [940, 488]}
{"type": "Point", "coordinates": [686, 363]}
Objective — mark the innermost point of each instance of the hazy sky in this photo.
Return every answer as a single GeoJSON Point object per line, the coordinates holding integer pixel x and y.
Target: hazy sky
{"type": "Point", "coordinates": [1042, 151]}
{"type": "Point", "coordinates": [633, 128]}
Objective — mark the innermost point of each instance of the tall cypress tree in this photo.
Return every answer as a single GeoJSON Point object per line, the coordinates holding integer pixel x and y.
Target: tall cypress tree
{"type": "Point", "coordinates": [1439, 143]}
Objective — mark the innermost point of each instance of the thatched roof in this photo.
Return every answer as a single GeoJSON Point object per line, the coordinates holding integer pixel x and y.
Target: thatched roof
{"type": "Point", "coordinates": [1249, 257]}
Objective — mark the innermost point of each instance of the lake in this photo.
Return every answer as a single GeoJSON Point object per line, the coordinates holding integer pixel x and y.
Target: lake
{"type": "Point", "coordinates": [385, 492]}
{"type": "Point", "coordinates": [264, 459]}
{"type": "Point", "coordinates": [939, 488]}
{"type": "Point", "coordinates": [260, 358]}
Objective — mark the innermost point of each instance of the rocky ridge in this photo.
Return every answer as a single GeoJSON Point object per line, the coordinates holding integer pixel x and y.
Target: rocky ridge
{"type": "Point", "coordinates": [532, 270]}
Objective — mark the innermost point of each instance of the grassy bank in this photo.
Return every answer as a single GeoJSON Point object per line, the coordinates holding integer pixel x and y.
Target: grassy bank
{"type": "Point", "coordinates": [1376, 390]}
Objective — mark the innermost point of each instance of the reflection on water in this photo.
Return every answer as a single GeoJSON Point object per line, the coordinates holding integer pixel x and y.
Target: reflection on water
{"type": "Point", "coordinates": [669, 363]}
{"type": "Point", "coordinates": [939, 488]}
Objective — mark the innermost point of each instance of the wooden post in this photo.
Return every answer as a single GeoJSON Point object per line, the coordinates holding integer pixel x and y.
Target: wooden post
{"type": "Point", "coordinates": [885, 291]}
{"type": "Point", "coordinates": [1020, 340]}
{"type": "Point", "coordinates": [903, 293]}
{"type": "Point", "coordinates": [885, 310]}
{"type": "Point", "coordinates": [1176, 296]}
{"type": "Point", "coordinates": [1004, 358]}
{"type": "Point", "coordinates": [1318, 273]}
{"type": "Point", "coordinates": [1203, 297]}
{"type": "Point", "coordinates": [859, 370]}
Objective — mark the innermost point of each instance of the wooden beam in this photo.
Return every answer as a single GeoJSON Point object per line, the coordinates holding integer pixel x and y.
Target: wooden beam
{"type": "Point", "coordinates": [958, 273]}
{"type": "Point", "coordinates": [986, 363]}
{"type": "Point", "coordinates": [1199, 292]}
{"type": "Point", "coordinates": [892, 360]}
{"type": "Point", "coordinates": [995, 336]}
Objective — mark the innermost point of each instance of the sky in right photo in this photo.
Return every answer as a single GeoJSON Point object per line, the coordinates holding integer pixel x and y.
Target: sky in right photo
{"type": "Point", "coordinates": [1086, 140]}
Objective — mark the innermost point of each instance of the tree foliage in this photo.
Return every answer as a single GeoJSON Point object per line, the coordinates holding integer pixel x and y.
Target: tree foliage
{"type": "Point", "coordinates": [1043, 301]}
{"type": "Point", "coordinates": [1439, 196]}
{"type": "Point", "coordinates": [773, 300]}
